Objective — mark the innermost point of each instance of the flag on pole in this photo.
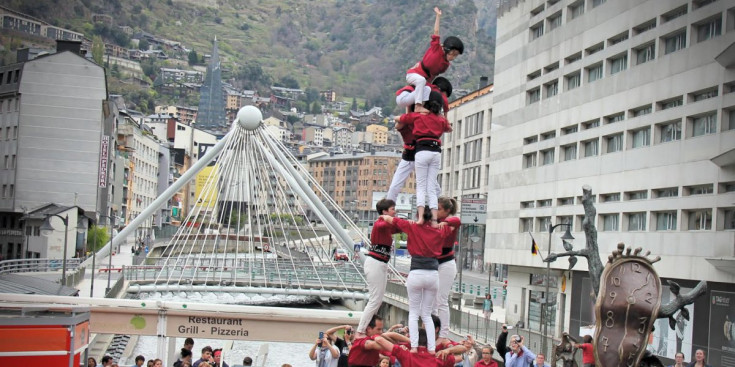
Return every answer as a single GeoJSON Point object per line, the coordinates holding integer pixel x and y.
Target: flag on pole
{"type": "Point", "coordinates": [534, 246]}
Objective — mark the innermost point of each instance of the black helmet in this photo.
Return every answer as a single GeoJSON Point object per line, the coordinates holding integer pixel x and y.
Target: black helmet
{"type": "Point", "coordinates": [453, 43]}
{"type": "Point", "coordinates": [444, 85]}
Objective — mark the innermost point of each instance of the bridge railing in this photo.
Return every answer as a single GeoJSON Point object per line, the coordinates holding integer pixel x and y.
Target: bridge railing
{"type": "Point", "coordinates": [37, 265]}
{"type": "Point", "coordinates": [271, 272]}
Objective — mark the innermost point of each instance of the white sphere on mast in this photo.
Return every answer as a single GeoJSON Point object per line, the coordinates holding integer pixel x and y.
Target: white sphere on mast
{"type": "Point", "coordinates": [249, 117]}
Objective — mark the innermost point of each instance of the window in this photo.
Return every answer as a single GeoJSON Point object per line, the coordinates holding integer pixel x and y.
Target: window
{"type": "Point", "coordinates": [614, 143]}
{"type": "Point", "coordinates": [636, 195]}
{"type": "Point", "coordinates": [618, 64]}
{"type": "Point", "coordinates": [609, 222]}
{"type": "Point", "coordinates": [700, 3]}
{"type": "Point", "coordinates": [617, 117]}
{"type": "Point", "coordinates": [547, 157]}
{"type": "Point", "coordinates": [703, 94]}
{"type": "Point", "coordinates": [530, 140]}
{"type": "Point", "coordinates": [617, 39]}
{"type": "Point", "coordinates": [729, 216]}
{"type": "Point", "coordinates": [668, 192]}
{"type": "Point", "coordinates": [471, 178]}
{"type": "Point", "coordinates": [729, 124]}
{"type": "Point", "coordinates": [528, 204]}
{"type": "Point", "coordinates": [548, 135]}
{"type": "Point", "coordinates": [636, 222]}
{"type": "Point", "coordinates": [590, 148]}
{"type": "Point", "coordinates": [537, 30]}
{"type": "Point", "coordinates": [573, 80]}
{"type": "Point", "coordinates": [645, 53]}
{"type": "Point", "coordinates": [551, 89]}
{"type": "Point", "coordinates": [709, 29]}
{"type": "Point", "coordinates": [576, 10]}
{"type": "Point", "coordinates": [699, 220]}
{"type": "Point", "coordinates": [473, 151]}
{"type": "Point", "coordinates": [594, 48]}
{"type": "Point", "coordinates": [473, 124]}
{"type": "Point", "coordinates": [641, 138]}
{"type": "Point", "coordinates": [646, 26]}
{"type": "Point", "coordinates": [572, 58]}
{"type": "Point", "coordinates": [565, 201]}
{"type": "Point", "coordinates": [605, 198]}
{"type": "Point", "coordinates": [590, 124]}
{"type": "Point", "coordinates": [537, 10]}
{"type": "Point", "coordinates": [551, 67]}
{"type": "Point", "coordinates": [665, 221]}
{"type": "Point", "coordinates": [596, 3]}
{"type": "Point", "coordinates": [544, 203]}
{"type": "Point", "coordinates": [675, 42]}
{"type": "Point", "coordinates": [673, 14]}
{"type": "Point", "coordinates": [640, 111]}
{"type": "Point", "coordinates": [554, 21]}
{"type": "Point", "coordinates": [594, 72]}
{"type": "Point", "coordinates": [569, 129]}
{"type": "Point", "coordinates": [526, 225]}
{"type": "Point", "coordinates": [529, 160]}
{"type": "Point", "coordinates": [534, 75]}
{"type": "Point", "coordinates": [704, 125]}
{"type": "Point", "coordinates": [569, 152]}
{"type": "Point", "coordinates": [699, 189]}
{"type": "Point", "coordinates": [671, 103]}
{"type": "Point", "coordinates": [534, 95]}
{"type": "Point", "coordinates": [543, 224]}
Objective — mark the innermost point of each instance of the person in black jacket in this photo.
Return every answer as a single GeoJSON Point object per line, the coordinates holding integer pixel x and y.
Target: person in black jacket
{"type": "Point", "coordinates": [501, 345]}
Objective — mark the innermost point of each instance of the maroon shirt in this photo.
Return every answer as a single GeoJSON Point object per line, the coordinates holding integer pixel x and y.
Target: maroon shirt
{"type": "Point", "coordinates": [423, 240]}
{"type": "Point", "coordinates": [382, 235]}
{"type": "Point", "coordinates": [434, 61]}
{"type": "Point", "coordinates": [359, 356]}
{"type": "Point", "coordinates": [426, 125]}
{"type": "Point", "coordinates": [421, 358]}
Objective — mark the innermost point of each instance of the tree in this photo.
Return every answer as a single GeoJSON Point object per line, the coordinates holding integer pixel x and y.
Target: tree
{"type": "Point", "coordinates": [98, 49]}
{"type": "Point", "coordinates": [316, 108]}
{"type": "Point", "coordinates": [193, 57]}
{"type": "Point", "coordinates": [97, 237]}
{"type": "Point", "coordinates": [354, 104]}
{"type": "Point", "coordinates": [288, 82]}
{"type": "Point", "coordinates": [143, 45]}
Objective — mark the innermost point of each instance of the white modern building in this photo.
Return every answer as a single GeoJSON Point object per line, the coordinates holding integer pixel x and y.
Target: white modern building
{"type": "Point", "coordinates": [635, 99]}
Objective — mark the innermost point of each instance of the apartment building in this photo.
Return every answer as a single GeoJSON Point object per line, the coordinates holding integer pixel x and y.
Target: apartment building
{"type": "Point", "coordinates": [635, 99]}
{"type": "Point", "coordinates": [351, 179]}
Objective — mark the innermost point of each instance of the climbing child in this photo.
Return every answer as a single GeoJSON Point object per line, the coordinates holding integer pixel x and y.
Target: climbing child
{"type": "Point", "coordinates": [406, 96]}
{"type": "Point", "coordinates": [436, 60]}
{"type": "Point", "coordinates": [428, 127]}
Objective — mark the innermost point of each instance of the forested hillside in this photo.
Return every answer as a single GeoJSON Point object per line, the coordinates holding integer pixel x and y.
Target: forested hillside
{"type": "Point", "coordinates": [355, 47]}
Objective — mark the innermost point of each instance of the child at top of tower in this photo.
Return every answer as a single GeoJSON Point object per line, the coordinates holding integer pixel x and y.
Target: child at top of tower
{"type": "Point", "coordinates": [428, 127]}
{"type": "Point", "coordinates": [436, 60]}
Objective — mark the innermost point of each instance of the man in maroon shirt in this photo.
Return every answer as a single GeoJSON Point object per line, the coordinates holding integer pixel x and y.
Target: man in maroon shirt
{"type": "Point", "coordinates": [376, 263]}
{"type": "Point", "coordinates": [422, 357]}
{"type": "Point", "coordinates": [365, 352]}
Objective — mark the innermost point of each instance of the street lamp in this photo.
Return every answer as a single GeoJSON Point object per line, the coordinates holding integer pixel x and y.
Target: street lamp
{"type": "Point", "coordinates": [47, 229]}
{"type": "Point", "coordinates": [545, 310]}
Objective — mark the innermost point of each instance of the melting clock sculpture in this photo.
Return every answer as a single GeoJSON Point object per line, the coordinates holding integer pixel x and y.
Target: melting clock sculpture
{"type": "Point", "coordinates": [628, 297]}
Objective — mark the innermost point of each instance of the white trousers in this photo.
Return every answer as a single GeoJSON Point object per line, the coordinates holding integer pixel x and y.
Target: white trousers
{"type": "Point", "coordinates": [447, 272]}
{"type": "Point", "coordinates": [375, 275]}
{"type": "Point", "coordinates": [407, 98]}
{"type": "Point", "coordinates": [422, 286]}
{"type": "Point", "coordinates": [428, 164]}
{"type": "Point", "coordinates": [419, 82]}
{"type": "Point", "coordinates": [399, 178]}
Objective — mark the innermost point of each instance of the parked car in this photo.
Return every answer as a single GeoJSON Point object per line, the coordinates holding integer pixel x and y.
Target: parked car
{"type": "Point", "coordinates": [341, 254]}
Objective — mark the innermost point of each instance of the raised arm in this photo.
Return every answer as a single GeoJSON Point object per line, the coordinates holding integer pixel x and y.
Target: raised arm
{"type": "Point", "coordinates": [334, 329]}
{"type": "Point", "coordinates": [383, 343]}
{"type": "Point", "coordinates": [436, 22]}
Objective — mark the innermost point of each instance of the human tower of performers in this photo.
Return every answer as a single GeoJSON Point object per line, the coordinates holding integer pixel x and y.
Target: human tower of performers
{"type": "Point", "coordinates": [430, 238]}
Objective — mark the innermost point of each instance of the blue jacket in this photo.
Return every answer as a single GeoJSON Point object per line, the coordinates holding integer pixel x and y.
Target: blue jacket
{"type": "Point", "coordinates": [514, 360]}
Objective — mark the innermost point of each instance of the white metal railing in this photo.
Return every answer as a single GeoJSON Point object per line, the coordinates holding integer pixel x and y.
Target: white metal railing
{"type": "Point", "coordinates": [37, 265]}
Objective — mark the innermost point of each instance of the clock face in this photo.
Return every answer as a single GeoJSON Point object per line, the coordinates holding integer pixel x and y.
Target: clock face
{"type": "Point", "coordinates": [629, 300]}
